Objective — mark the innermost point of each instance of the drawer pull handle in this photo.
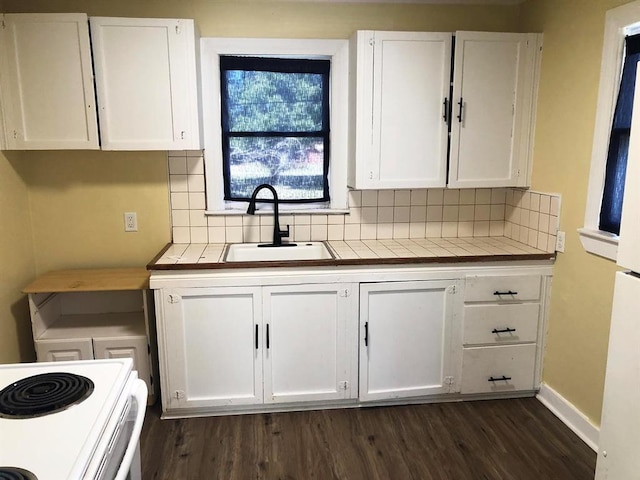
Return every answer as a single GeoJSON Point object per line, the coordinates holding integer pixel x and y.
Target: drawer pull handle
{"type": "Point", "coordinates": [499, 379]}
{"type": "Point", "coordinates": [497, 292]}
{"type": "Point", "coordinates": [503, 330]}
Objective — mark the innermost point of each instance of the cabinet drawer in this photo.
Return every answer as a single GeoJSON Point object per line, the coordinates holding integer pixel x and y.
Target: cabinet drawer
{"type": "Point", "coordinates": [59, 350]}
{"type": "Point", "coordinates": [500, 324]}
{"type": "Point", "coordinates": [502, 288]}
{"type": "Point", "coordinates": [483, 369]}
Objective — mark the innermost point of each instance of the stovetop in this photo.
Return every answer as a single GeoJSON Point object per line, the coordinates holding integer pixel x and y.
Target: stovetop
{"type": "Point", "coordinates": [60, 445]}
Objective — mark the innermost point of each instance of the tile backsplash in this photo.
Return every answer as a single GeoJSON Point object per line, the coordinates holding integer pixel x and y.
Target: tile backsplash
{"type": "Point", "coordinates": [522, 215]}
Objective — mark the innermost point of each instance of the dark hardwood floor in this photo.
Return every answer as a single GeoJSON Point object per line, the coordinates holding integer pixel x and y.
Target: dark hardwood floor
{"type": "Point", "coordinates": [494, 439]}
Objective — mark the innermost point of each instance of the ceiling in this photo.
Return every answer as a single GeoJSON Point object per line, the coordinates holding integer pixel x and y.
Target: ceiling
{"type": "Point", "coordinates": [451, 2]}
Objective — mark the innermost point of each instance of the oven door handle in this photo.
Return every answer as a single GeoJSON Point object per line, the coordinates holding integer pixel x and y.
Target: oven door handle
{"type": "Point", "coordinates": [140, 396]}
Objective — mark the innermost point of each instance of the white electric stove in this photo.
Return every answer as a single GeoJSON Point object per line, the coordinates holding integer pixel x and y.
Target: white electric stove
{"type": "Point", "coordinates": [71, 420]}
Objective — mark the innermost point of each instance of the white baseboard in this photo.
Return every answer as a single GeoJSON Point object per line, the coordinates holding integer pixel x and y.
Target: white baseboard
{"type": "Point", "coordinates": [569, 415]}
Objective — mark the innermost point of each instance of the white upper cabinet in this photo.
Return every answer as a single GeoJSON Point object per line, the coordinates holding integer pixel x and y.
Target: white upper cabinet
{"type": "Point", "coordinates": [399, 89]}
{"type": "Point", "coordinates": [494, 84]}
{"type": "Point", "coordinates": [47, 83]}
{"type": "Point", "coordinates": [146, 81]}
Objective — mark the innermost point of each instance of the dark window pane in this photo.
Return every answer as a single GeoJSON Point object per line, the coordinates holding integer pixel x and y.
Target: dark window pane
{"type": "Point", "coordinates": [274, 101]}
{"type": "Point", "coordinates": [293, 166]}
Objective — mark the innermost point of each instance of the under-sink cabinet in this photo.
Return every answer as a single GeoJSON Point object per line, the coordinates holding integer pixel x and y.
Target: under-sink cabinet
{"type": "Point", "coordinates": [95, 314]}
{"type": "Point", "coordinates": [271, 339]}
{"type": "Point", "coordinates": [237, 346]}
{"type": "Point", "coordinates": [407, 338]}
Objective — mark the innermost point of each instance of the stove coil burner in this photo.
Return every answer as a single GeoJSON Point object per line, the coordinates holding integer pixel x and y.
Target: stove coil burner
{"type": "Point", "coordinates": [43, 394]}
{"type": "Point", "coordinates": [14, 473]}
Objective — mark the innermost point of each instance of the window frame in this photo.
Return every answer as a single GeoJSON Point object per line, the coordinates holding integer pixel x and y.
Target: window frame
{"type": "Point", "coordinates": [337, 51]}
{"type": "Point", "coordinates": [319, 68]}
{"type": "Point", "coordinates": [619, 22]}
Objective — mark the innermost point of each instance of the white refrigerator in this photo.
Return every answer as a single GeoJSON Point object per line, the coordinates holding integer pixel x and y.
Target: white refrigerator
{"type": "Point", "coordinates": [619, 442]}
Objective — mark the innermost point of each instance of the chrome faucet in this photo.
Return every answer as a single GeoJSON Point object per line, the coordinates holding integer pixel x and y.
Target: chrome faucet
{"type": "Point", "coordinates": [278, 234]}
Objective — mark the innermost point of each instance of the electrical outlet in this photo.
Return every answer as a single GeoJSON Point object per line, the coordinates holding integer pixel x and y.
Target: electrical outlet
{"type": "Point", "coordinates": [130, 222]}
{"type": "Point", "coordinates": [560, 238]}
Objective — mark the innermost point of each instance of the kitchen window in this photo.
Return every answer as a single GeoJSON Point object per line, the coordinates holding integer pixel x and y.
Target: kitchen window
{"type": "Point", "coordinates": [275, 127]}
{"type": "Point", "coordinates": [620, 22]}
{"type": "Point", "coordinates": [235, 158]}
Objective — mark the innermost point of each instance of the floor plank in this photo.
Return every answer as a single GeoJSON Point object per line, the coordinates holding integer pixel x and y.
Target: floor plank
{"type": "Point", "coordinates": [491, 440]}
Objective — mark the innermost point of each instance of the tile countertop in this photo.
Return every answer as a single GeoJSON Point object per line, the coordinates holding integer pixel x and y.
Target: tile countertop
{"type": "Point", "coordinates": [182, 256]}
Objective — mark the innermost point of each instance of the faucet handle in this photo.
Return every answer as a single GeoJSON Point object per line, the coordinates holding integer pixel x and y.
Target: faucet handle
{"type": "Point", "coordinates": [284, 233]}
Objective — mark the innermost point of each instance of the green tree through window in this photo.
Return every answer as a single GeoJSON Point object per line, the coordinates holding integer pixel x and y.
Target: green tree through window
{"type": "Point", "coordinates": [275, 127]}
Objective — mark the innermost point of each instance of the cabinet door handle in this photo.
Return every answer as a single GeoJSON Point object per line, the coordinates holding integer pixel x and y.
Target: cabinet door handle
{"type": "Point", "coordinates": [267, 336]}
{"type": "Point", "coordinates": [497, 292]}
{"type": "Point", "coordinates": [366, 334]}
{"type": "Point", "coordinates": [499, 379]}
{"type": "Point", "coordinates": [460, 103]}
{"type": "Point", "coordinates": [445, 113]}
{"type": "Point", "coordinates": [256, 336]}
{"type": "Point", "coordinates": [503, 330]}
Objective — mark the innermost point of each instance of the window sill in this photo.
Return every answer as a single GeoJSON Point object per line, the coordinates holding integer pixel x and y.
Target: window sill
{"type": "Point", "coordinates": [599, 243]}
{"type": "Point", "coordinates": [269, 211]}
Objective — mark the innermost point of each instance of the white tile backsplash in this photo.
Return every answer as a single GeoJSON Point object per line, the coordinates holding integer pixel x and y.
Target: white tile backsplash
{"type": "Point", "coordinates": [525, 216]}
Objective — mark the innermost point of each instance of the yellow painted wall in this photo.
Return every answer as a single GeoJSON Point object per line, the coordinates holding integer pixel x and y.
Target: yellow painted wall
{"type": "Point", "coordinates": [17, 263]}
{"type": "Point", "coordinates": [302, 19]}
{"type": "Point", "coordinates": [77, 202]}
{"type": "Point", "coordinates": [575, 359]}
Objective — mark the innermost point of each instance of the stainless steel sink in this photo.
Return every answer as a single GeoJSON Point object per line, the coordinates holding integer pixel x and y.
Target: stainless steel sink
{"type": "Point", "coordinates": [253, 252]}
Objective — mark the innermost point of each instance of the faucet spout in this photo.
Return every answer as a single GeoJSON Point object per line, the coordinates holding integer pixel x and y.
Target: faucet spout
{"type": "Point", "coordinates": [278, 234]}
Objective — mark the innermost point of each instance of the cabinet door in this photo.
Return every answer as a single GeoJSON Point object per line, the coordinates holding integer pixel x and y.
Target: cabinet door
{"type": "Point", "coordinates": [60, 350]}
{"type": "Point", "coordinates": [210, 347]}
{"type": "Point", "coordinates": [493, 95]}
{"type": "Point", "coordinates": [48, 93]}
{"type": "Point", "coordinates": [402, 86]}
{"type": "Point", "coordinates": [134, 347]}
{"type": "Point", "coordinates": [310, 342]}
{"type": "Point", "coordinates": [146, 83]}
{"type": "Point", "coordinates": [408, 333]}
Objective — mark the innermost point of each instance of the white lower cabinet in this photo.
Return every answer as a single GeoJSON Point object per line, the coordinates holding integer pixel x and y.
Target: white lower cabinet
{"type": "Point", "coordinates": [210, 347]}
{"type": "Point", "coordinates": [238, 346]}
{"type": "Point", "coordinates": [348, 336]}
{"type": "Point", "coordinates": [310, 351]}
{"type": "Point", "coordinates": [406, 339]}
{"type": "Point", "coordinates": [502, 334]}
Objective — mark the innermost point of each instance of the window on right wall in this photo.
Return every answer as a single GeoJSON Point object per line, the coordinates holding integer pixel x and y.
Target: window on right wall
{"type": "Point", "coordinates": [615, 173]}
{"type": "Point", "coordinates": [608, 159]}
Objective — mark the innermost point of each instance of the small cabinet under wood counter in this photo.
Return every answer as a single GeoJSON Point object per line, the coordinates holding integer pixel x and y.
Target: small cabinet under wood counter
{"type": "Point", "coordinates": [92, 314]}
